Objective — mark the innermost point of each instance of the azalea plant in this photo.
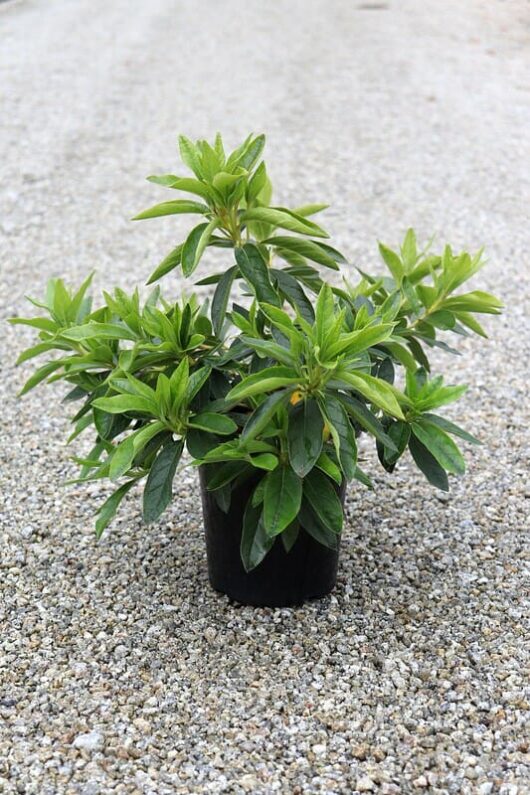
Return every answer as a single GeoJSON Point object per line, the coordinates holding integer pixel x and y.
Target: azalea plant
{"type": "Point", "coordinates": [273, 380]}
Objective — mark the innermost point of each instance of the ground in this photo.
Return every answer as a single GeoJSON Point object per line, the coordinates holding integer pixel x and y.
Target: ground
{"type": "Point", "coordinates": [120, 670]}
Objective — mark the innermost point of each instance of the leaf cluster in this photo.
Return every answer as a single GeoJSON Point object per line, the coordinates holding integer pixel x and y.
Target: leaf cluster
{"type": "Point", "coordinates": [274, 387]}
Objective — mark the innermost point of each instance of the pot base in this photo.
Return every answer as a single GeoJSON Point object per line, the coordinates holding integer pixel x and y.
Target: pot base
{"type": "Point", "coordinates": [308, 571]}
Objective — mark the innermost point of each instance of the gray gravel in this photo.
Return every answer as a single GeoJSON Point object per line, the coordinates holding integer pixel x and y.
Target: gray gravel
{"type": "Point", "coordinates": [120, 670]}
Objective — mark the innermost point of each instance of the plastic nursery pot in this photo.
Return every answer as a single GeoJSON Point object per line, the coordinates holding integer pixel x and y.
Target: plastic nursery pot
{"type": "Point", "coordinates": [308, 571]}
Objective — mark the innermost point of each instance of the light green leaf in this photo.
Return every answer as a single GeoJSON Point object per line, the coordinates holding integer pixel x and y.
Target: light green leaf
{"type": "Point", "coordinates": [175, 207]}
{"type": "Point", "coordinates": [375, 390]}
{"type": "Point", "coordinates": [306, 248]}
{"type": "Point", "coordinates": [195, 244]}
{"type": "Point", "coordinates": [94, 330]}
{"type": "Point", "coordinates": [214, 423]}
{"type": "Point", "coordinates": [393, 263]}
{"type": "Point", "coordinates": [262, 382]}
{"type": "Point", "coordinates": [285, 220]}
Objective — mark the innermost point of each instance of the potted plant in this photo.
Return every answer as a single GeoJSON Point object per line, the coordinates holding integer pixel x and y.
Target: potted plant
{"type": "Point", "coordinates": [267, 391]}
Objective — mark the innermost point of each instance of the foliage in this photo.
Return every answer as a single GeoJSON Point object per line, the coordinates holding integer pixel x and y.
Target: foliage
{"type": "Point", "coordinates": [276, 388]}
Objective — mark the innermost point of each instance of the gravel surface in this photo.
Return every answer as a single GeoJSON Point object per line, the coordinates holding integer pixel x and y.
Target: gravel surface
{"type": "Point", "coordinates": [120, 670]}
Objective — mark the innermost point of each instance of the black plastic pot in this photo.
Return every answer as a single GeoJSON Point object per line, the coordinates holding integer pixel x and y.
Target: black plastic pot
{"type": "Point", "coordinates": [308, 571]}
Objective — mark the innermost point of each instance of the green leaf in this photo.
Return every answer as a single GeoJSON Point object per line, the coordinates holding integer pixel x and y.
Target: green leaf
{"type": "Point", "coordinates": [440, 445]}
{"type": "Point", "coordinates": [186, 184]}
{"type": "Point", "coordinates": [266, 461]}
{"type": "Point", "coordinates": [295, 295]}
{"type": "Point", "coordinates": [476, 301]}
{"type": "Point", "coordinates": [306, 248]}
{"type": "Point", "coordinates": [213, 423]}
{"type": "Point", "coordinates": [168, 264]}
{"type": "Point", "coordinates": [472, 323]}
{"type": "Point", "coordinates": [428, 464]}
{"type": "Point", "coordinates": [43, 323]}
{"type": "Point", "coordinates": [94, 330]}
{"type": "Point", "coordinates": [375, 390]}
{"type": "Point", "coordinates": [284, 219]}
{"type": "Point", "coordinates": [330, 468]}
{"type": "Point", "coordinates": [290, 535]}
{"type": "Point", "coordinates": [159, 485]}
{"type": "Point", "coordinates": [409, 250]}
{"type": "Point", "coordinates": [195, 244]}
{"type": "Point", "coordinates": [282, 499]}
{"type": "Point", "coordinates": [255, 272]}
{"type": "Point", "coordinates": [120, 404]}
{"type": "Point", "coordinates": [223, 474]}
{"type": "Point", "coordinates": [262, 382]}
{"type": "Point", "coordinates": [357, 341]}
{"type": "Point", "coordinates": [393, 263]}
{"type": "Point", "coordinates": [269, 349]}
{"type": "Point", "coordinates": [255, 543]}
{"type": "Point", "coordinates": [324, 313]}
{"type": "Point", "coordinates": [190, 156]}
{"type": "Point", "coordinates": [220, 298]}
{"type": "Point", "coordinates": [342, 434]}
{"type": "Point", "coordinates": [108, 510]}
{"type": "Point", "coordinates": [310, 209]}
{"type": "Point", "coordinates": [324, 500]}
{"type": "Point", "coordinates": [125, 452]}
{"type": "Point", "coordinates": [175, 207]}
{"type": "Point", "coordinates": [304, 436]}
{"type": "Point", "coordinates": [250, 153]}
{"type": "Point", "coordinates": [399, 432]}
{"type": "Point", "coordinates": [39, 375]}
{"type": "Point", "coordinates": [256, 183]}
{"type": "Point", "coordinates": [311, 523]}
{"type": "Point", "coordinates": [261, 417]}
{"type": "Point", "coordinates": [445, 425]}
{"type": "Point", "coordinates": [367, 420]}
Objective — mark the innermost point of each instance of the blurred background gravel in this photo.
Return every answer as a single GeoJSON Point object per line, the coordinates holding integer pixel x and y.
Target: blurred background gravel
{"type": "Point", "coordinates": [120, 670]}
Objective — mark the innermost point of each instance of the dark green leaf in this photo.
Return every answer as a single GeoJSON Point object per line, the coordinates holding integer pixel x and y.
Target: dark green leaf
{"type": "Point", "coordinates": [311, 523]}
{"type": "Point", "coordinates": [450, 427]}
{"type": "Point", "coordinates": [440, 445]}
{"type": "Point", "coordinates": [107, 511]}
{"type": "Point", "coordinates": [367, 420]}
{"type": "Point", "coordinates": [342, 434]}
{"type": "Point", "coordinates": [324, 500]}
{"type": "Point", "coordinates": [255, 543]}
{"type": "Point", "coordinates": [282, 498]}
{"type": "Point", "coordinates": [220, 298]}
{"type": "Point", "coordinates": [304, 436]}
{"type": "Point", "coordinates": [428, 464]}
{"type": "Point", "coordinates": [289, 535]}
{"type": "Point", "coordinates": [294, 293]}
{"type": "Point", "coordinates": [256, 273]}
{"type": "Point", "coordinates": [158, 488]}
{"type": "Point", "coordinates": [261, 417]}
